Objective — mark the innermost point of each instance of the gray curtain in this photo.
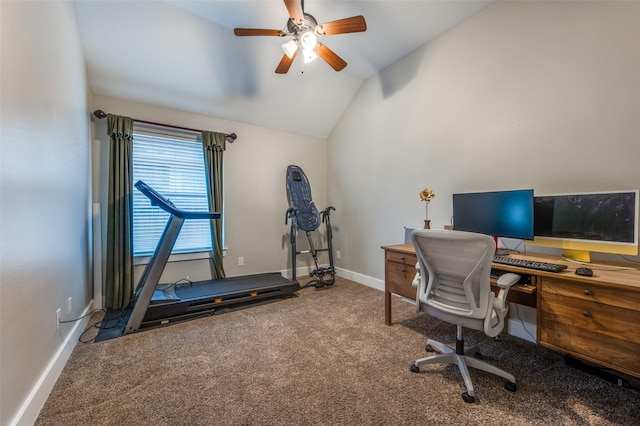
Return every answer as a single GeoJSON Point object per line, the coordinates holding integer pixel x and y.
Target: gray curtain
{"type": "Point", "coordinates": [214, 144]}
{"type": "Point", "coordinates": [119, 275]}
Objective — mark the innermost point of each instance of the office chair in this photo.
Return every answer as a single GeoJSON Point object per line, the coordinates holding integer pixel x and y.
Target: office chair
{"type": "Point", "coordinates": [456, 289]}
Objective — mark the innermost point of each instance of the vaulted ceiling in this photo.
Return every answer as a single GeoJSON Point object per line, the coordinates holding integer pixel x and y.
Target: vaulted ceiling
{"type": "Point", "coordinates": [184, 55]}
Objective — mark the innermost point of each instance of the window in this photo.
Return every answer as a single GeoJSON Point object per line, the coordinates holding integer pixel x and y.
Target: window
{"type": "Point", "coordinates": [172, 163]}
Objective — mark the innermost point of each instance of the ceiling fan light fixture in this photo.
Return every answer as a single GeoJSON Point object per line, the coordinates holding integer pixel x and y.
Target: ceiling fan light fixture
{"type": "Point", "coordinates": [308, 40]}
{"type": "Point", "coordinates": [290, 48]}
{"type": "Point", "coordinates": [309, 55]}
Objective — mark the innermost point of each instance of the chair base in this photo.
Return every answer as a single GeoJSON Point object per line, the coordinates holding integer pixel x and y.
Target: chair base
{"type": "Point", "coordinates": [448, 355]}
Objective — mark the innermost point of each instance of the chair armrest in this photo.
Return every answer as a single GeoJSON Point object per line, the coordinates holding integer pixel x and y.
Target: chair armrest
{"type": "Point", "coordinates": [416, 284]}
{"type": "Point", "coordinates": [504, 282]}
{"type": "Point", "coordinates": [507, 280]}
{"type": "Point", "coordinates": [416, 279]}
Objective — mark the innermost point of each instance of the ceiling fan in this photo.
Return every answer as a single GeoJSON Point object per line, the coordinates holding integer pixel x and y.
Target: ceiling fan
{"type": "Point", "coordinates": [305, 30]}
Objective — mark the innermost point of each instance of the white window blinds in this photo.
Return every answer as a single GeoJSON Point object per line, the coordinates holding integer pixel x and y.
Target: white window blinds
{"type": "Point", "coordinates": [172, 163]}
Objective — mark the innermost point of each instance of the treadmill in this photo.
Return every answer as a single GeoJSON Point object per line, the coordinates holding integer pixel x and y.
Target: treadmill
{"type": "Point", "coordinates": [165, 303]}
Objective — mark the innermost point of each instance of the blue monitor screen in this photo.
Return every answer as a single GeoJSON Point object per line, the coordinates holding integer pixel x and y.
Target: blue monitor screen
{"type": "Point", "coordinates": [499, 214]}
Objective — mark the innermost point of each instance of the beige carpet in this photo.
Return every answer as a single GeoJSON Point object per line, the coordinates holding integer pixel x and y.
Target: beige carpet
{"type": "Point", "coordinates": [322, 358]}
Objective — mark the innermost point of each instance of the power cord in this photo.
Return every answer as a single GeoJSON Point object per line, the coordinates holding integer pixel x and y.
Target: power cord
{"type": "Point", "coordinates": [515, 249]}
{"type": "Point", "coordinates": [626, 259]}
{"type": "Point", "coordinates": [595, 266]}
{"type": "Point", "coordinates": [99, 326]}
{"type": "Point", "coordinates": [184, 281]}
{"type": "Point", "coordinates": [80, 339]}
{"type": "Point", "coordinates": [523, 323]}
{"type": "Point", "coordinates": [84, 316]}
{"type": "Point", "coordinates": [102, 324]}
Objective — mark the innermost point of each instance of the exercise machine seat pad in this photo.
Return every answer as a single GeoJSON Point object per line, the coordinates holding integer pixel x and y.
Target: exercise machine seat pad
{"type": "Point", "coordinates": [307, 216]}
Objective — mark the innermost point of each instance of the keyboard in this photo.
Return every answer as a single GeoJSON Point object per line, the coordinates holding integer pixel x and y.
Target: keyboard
{"type": "Point", "coordinates": [530, 264]}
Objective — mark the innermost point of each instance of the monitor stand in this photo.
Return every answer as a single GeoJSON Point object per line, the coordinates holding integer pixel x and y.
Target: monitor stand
{"type": "Point", "coordinates": [499, 251]}
{"type": "Point", "coordinates": [583, 256]}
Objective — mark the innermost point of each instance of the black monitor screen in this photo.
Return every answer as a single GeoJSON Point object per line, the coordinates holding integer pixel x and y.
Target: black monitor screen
{"type": "Point", "coordinates": [498, 214]}
{"type": "Point", "coordinates": [594, 217]}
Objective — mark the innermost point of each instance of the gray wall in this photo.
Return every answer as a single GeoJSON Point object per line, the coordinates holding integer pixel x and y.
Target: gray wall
{"type": "Point", "coordinates": [473, 110]}
{"type": "Point", "coordinates": [44, 194]}
{"type": "Point", "coordinates": [542, 95]}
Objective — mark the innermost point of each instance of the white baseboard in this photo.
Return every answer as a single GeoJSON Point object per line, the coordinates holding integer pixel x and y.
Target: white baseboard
{"type": "Point", "coordinates": [361, 279]}
{"type": "Point", "coordinates": [514, 327]}
{"type": "Point", "coordinates": [32, 405]}
{"type": "Point", "coordinates": [344, 273]}
{"type": "Point", "coordinates": [300, 271]}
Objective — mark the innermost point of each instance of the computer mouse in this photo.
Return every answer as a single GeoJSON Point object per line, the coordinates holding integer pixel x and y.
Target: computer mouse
{"type": "Point", "coordinates": [586, 272]}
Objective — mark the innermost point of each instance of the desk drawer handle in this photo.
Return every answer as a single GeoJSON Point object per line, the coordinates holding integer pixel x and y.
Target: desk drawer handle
{"type": "Point", "coordinates": [402, 258]}
{"type": "Point", "coordinates": [587, 292]}
{"type": "Point", "coordinates": [587, 314]}
{"type": "Point", "coordinates": [403, 270]}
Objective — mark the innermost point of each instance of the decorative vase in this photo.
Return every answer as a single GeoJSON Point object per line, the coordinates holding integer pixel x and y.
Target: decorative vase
{"type": "Point", "coordinates": [427, 222]}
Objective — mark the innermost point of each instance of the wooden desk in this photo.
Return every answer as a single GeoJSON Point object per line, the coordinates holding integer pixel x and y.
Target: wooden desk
{"type": "Point", "coordinates": [399, 271]}
{"type": "Point", "coordinates": [596, 319]}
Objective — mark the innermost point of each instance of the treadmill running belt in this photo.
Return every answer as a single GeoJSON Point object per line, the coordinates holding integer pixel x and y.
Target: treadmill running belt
{"type": "Point", "coordinates": [228, 286]}
{"type": "Point", "coordinates": [206, 298]}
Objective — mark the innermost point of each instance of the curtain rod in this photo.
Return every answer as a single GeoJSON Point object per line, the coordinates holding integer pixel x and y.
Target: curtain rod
{"type": "Point", "coordinates": [100, 114]}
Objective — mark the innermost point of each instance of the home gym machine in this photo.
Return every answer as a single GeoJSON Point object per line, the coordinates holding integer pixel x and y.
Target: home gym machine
{"type": "Point", "coordinates": [159, 305]}
{"type": "Point", "coordinates": [305, 217]}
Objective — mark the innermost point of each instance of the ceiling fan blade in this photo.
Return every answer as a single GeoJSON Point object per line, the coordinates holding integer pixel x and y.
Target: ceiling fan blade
{"type": "Point", "coordinates": [295, 10]}
{"type": "Point", "coordinates": [258, 32]}
{"type": "Point", "coordinates": [285, 64]}
{"type": "Point", "coordinates": [329, 56]}
{"type": "Point", "coordinates": [354, 24]}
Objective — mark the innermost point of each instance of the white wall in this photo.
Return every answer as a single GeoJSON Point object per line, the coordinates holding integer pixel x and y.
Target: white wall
{"type": "Point", "coordinates": [255, 193]}
{"type": "Point", "coordinates": [44, 196]}
{"type": "Point", "coordinates": [542, 95]}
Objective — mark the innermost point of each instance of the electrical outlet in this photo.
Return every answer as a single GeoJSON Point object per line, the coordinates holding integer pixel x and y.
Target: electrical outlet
{"type": "Point", "coordinates": [241, 261]}
{"type": "Point", "coordinates": [338, 254]}
{"type": "Point", "coordinates": [58, 319]}
{"type": "Point", "coordinates": [69, 305]}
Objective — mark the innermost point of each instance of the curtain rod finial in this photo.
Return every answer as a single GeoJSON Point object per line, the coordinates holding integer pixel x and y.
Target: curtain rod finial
{"type": "Point", "coordinates": [100, 114]}
{"type": "Point", "coordinates": [231, 137]}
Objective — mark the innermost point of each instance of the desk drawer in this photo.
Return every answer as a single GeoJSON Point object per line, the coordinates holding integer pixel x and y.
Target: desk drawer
{"type": "Point", "coordinates": [601, 333]}
{"type": "Point", "coordinates": [595, 292]}
{"type": "Point", "coordinates": [399, 277]}
{"type": "Point", "coordinates": [597, 318]}
{"type": "Point", "coordinates": [397, 257]}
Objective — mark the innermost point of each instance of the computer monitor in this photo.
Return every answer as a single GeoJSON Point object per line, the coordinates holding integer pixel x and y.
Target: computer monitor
{"type": "Point", "coordinates": [498, 213]}
{"type": "Point", "coordinates": [580, 223]}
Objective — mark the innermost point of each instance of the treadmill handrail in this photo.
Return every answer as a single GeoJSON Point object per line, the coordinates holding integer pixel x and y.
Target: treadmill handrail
{"type": "Point", "coordinates": [169, 207]}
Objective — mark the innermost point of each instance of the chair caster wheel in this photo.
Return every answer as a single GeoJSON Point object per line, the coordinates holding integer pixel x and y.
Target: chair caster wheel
{"type": "Point", "coordinates": [414, 368]}
{"type": "Point", "coordinates": [468, 398]}
{"type": "Point", "coordinates": [478, 355]}
{"type": "Point", "coordinates": [511, 387]}
{"type": "Point", "coordinates": [429, 348]}
{"type": "Point", "coordinates": [497, 338]}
